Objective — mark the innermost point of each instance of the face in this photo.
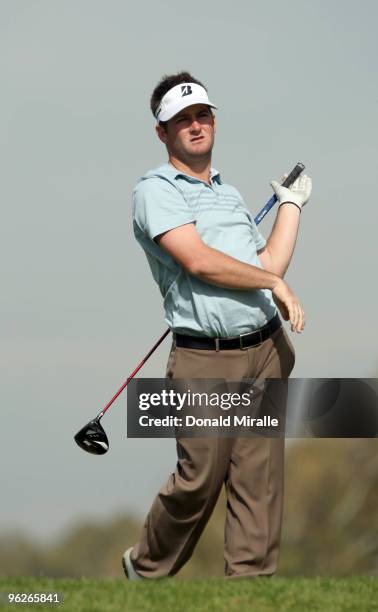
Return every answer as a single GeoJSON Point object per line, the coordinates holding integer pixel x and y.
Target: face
{"type": "Point", "coordinates": [189, 135]}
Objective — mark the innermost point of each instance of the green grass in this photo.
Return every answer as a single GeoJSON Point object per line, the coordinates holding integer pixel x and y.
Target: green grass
{"type": "Point", "coordinates": [358, 593]}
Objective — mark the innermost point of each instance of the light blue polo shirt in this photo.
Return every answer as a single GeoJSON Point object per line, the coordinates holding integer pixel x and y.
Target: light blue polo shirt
{"type": "Point", "coordinates": [165, 198]}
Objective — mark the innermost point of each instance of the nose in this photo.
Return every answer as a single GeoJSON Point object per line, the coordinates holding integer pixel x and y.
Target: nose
{"type": "Point", "coordinates": [195, 124]}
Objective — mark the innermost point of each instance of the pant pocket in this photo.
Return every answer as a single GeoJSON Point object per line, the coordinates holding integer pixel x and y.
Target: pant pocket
{"type": "Point", "coordinates": [171, 361]}
{"type": "Point", "coordinates": [289, 353]}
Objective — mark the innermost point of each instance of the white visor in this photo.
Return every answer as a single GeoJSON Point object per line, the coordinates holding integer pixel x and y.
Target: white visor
{"type": "Point", "coordinates": [179, 97]}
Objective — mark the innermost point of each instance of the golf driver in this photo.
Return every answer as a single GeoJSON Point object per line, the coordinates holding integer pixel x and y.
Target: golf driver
{"type": "Point", "coordinates": [92, 437]}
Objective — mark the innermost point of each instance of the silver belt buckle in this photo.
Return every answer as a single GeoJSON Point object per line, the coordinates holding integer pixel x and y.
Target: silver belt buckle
{"type": "Point", "coordinates": [257, 331]}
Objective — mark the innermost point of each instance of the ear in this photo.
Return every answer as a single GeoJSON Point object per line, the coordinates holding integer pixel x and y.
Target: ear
{"type": "Point", "coordinates": [215, 123]}
{"type": "Point", "coordinates": [162, 134]}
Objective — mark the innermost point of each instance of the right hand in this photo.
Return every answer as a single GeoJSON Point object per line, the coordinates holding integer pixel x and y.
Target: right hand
{"type": "Point", "coordinates": [289, 306]}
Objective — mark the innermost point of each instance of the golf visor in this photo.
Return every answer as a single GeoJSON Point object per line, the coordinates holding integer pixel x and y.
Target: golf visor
{"type": "Point", "coordinates": [179, 97]}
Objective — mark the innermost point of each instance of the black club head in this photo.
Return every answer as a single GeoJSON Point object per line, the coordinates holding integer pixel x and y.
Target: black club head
{"type": "Point", "coordinates": [92, 438]}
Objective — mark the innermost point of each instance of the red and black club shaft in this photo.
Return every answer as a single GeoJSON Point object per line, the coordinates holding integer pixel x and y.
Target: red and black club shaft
{"type": "Point", "coordinates": [101, 414]}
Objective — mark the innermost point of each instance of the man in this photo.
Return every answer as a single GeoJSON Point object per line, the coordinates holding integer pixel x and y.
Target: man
{"type": "Point", "coordinates": [222, 284]}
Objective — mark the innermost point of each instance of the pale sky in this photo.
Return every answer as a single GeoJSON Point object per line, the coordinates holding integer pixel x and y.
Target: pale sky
{"type": "Point", "coordinates": [294, 81]}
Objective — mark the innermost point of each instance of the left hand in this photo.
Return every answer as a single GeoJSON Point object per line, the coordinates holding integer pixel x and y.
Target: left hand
{"type": "Point", "coordinates": [299, 192]}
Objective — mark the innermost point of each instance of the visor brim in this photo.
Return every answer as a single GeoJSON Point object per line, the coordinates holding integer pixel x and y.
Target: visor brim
{"type": "Point", "coordinates": [169, 114]}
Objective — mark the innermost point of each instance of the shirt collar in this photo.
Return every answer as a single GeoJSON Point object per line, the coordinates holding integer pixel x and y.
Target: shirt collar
{"type": "Point", "coordinates": [214, 174]}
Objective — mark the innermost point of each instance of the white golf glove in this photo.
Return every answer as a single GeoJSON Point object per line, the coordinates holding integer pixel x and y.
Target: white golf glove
{"type": "Point", "coordinates": [298, 194]}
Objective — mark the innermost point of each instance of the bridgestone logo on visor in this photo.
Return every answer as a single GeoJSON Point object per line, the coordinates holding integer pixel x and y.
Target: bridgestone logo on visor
{"type": "Point", "coordinates": [186, 90]}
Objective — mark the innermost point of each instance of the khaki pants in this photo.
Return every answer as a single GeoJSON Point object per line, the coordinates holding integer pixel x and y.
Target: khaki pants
{"type": "Point", "coordinates": [250, 468]}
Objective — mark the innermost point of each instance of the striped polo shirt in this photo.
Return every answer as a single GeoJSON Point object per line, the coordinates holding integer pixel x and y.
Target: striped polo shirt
{"type": "Point", "coordinates": [165, 198]}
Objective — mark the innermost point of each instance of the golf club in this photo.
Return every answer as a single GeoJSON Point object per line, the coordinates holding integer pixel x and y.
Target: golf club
{"type": "Point", "coordinates": [92, 437]}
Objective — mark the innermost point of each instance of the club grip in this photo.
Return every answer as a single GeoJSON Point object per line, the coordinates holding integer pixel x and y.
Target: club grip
{"type": "Point", "coordinates": [293, 175]}
{"type": "Point", "coordinates": [287, 182]}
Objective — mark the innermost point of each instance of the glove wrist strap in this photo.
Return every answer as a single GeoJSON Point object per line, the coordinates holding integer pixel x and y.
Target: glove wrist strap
{"type": "Point", "coordinates": [293, 203]}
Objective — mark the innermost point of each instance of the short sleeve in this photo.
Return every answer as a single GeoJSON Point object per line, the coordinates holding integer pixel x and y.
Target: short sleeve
{"type": "Point", "coordinates": [258, 238]}
{"type": "Point", "coordinates": [159, 207]}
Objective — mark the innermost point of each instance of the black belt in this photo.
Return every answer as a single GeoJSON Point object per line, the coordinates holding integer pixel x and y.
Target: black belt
{"type": "Point", "coordinates": [239, 342]}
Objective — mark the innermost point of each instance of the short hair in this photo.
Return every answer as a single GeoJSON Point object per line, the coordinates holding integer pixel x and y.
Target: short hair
{"type": "Point", "coordinates": [165, 84]}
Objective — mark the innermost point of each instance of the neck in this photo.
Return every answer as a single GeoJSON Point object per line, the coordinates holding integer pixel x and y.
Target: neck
{"type": "Point", "coordinates": [198, 169]}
